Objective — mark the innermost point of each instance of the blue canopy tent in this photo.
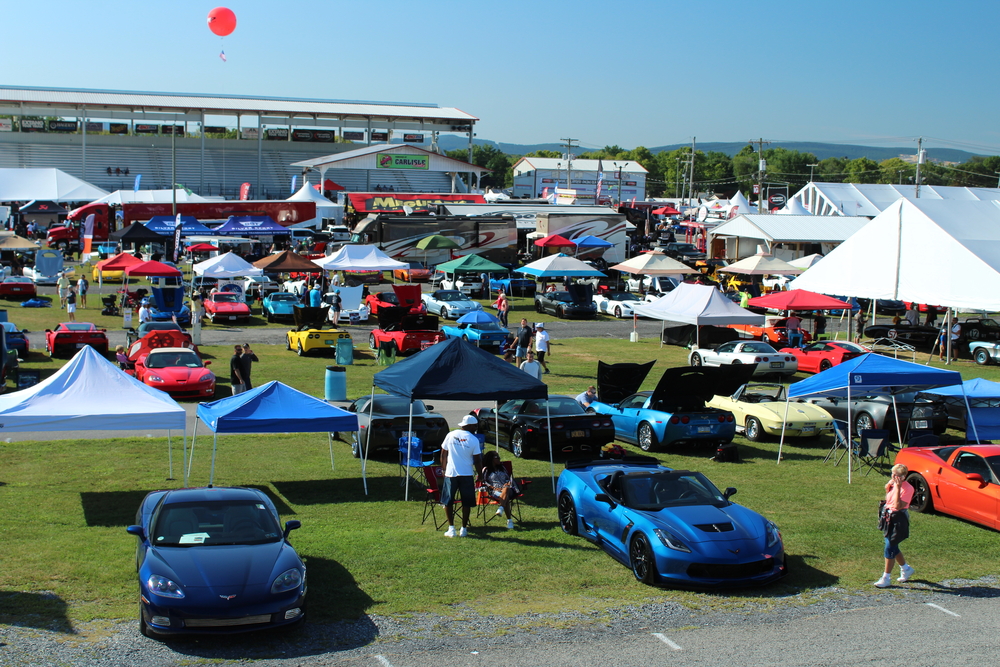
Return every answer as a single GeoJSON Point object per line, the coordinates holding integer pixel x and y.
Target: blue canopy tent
{"type": "Point", "coordinates": [250, 225]}
{"type": "Point", "coordinates": [271, 408]}
{"type": "Point", "coordinates": [590, 243]}
{"type": "Point", "coordinates": [477, 317]}
{"type": "Point", "coordinates": [455, 370]}
{"type": "Point", "coordinates": [982, 399]}
{"type": "Point", "coordinates": [869, 374]}
{"type": "Point", "coordinates": [166, 224]}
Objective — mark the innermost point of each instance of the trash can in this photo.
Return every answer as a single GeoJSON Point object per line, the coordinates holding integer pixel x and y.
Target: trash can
{"type": "Point", "coordinates": [345, 351]}
{"type": "Point", "coordinates": [3, 314]}
{"type": "Point", "coordinates": [336, 383]}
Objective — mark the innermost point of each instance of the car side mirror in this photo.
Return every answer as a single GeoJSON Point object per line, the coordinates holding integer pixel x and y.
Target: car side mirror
{"type": "Point", "coordinates": [24, 331]}
{"type": "Point", "coordinates": [605, 498]}
{"type": "Point", "coordinates": [291, 525]}
{"type": "Point", "coordinates": [976, 477]}
{"type": "Point", "coordinates": [208, 363]}
{"type": "Point", "coordinates": [137, 531]}
{"type": "Point", "coordinates": [729, 492]}
{"type": "Point", "coordinates": [429, 408]}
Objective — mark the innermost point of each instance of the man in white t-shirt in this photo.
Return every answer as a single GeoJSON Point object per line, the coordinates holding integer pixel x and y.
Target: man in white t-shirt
{"type": "Point", "coordinates": [461, 459]}
{"type": "Point", "coordinates": [542, 344]}
{"type": "Point", "coordinates": [145, 315]}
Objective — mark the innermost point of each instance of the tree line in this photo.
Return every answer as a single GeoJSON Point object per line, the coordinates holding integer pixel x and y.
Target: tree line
{"type": "Point", "coordinates": [719, 172]}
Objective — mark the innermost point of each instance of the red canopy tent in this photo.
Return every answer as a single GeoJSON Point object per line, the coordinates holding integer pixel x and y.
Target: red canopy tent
{"type": "Point", "coordinates": [118, 262]}
{"type": "Point", "coordinates": [666, 210]}
{"type": "Point", "coordinates": [798, 299]}
{"type": "Point", "coordinates": [329, 185]}
{"type": "Point", "coordinates": [554, 241]}
{"type": "Point", "coordinates": [153, 269]}
{"type": "Point", "coordinates": [201, 247]}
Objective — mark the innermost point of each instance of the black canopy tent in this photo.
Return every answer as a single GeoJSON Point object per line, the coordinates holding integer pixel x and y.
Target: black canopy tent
{"type": "Point", "coordinates": [459, 371]}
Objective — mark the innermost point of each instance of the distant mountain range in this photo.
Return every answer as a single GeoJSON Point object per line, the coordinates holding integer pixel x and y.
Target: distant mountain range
{"type": "Point", "coordinates": [821, 151]}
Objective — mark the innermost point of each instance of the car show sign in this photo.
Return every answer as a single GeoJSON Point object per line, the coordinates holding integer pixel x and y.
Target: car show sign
{"type": "Point", "coordinates": [413, 138]}
{"type": "Point", "coordinates": [402, 161]}
{"type": "Point", "coordinates": [380, 136]}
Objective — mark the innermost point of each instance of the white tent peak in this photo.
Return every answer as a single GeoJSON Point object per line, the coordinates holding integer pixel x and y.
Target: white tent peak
{"type": "Point", "coordinates": [308, 193]}
{"type": "Point", "coordinates": [226, 265]}
{"type": "Point", "coordinates": [50, 184]}
{"type": "Point", "coordinates": [794, 207]}
{"type": "Point", "coordinates": [697, 304]}
{"type": "Point", "coordinates": [360, 258]}
{"type": "Point", "coordinates": [744, 206]}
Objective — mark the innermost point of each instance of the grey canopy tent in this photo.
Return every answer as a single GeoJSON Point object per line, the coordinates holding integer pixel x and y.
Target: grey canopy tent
{"type": "Point", "coordinates": [459, 371]}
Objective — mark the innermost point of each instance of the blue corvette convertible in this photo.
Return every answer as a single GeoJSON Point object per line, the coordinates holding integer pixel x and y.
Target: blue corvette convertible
{"type": "Point", "coordinates": [280, 306]}
{"type": "Point", "coordinates": [675, 411]}
{"type": "Point", "coordinates": [670, 527]}
{"type": "Point", "coordinates": [214, 560]}
{"type": "Point", "coordinates": [479, 328]}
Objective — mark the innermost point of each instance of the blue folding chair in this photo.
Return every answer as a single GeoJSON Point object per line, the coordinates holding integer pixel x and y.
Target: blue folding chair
{"type": "Point", "coordinates": [412, 454]}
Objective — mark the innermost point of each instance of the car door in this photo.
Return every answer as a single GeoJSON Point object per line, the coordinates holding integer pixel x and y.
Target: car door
{"type": "Point", "coordinates": [969, 499]}
{"type": "Point", "coordinates": [602, 520]}
{"type": "Point", "coordinates": [626, 417]}
{"type": "Point", "coordinates": [722, 354]}
{"type": "Point", "coordinates": [504, 421]}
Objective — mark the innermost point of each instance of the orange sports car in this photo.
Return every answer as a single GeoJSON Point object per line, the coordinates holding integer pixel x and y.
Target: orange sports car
{"type": "Point", "coordinates": [963, 481]}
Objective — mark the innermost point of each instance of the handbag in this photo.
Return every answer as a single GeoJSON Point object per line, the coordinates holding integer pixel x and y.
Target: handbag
{"type": "Point", "coordinates": [883, 517]}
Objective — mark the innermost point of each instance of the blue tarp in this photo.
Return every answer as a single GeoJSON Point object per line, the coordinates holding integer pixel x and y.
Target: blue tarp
{"type": "Point", "coordinates": [250, 225]}
{"type": "Point", "coordinates": [983, 396]}
{"type": "Point", "coordinates": [275, 408]}
{"type": "Point", "coordinates": [456, 370]}
{"type": "Point", "coordinates": [165, 225]}
{"type": "Point", "coordinates": [874, 374]}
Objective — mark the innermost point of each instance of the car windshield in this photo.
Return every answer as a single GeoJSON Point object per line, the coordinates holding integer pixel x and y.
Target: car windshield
{"type": "Point", "coordinates": [213, 524]}
{"type": "Point", "coordinates": [10, 327]}
{"type": "Point", "coordinates": [488, 326]}
{"type": "Point", "coordinates": [683, 247]}
{"type": "Point", "coordinates": [77, 326]}
{"type": "Point", "coordinates": [225, 297]}
{"type": "Point", "coordinates": [397, 405]}
{"type": "Point", "coordinates": [449, 295]}
{"type": "Point", "coordinates": [655, 491]}
{"type": "Point", "coordinates": [623, 296]}
{"type": "Point", "coordinates": [284, 297]}
{"type": "Point", "coordinates": [557, 405]}
{"type": "Point", "coordinates": [564, 297]}
{"type": "Point", "coordinates": [416, 265]}
{"type": "Point", "coordinates": [989, 323]}
{"type": "Point", "coordinates": [994, 462]}
{"type": "Point", "coordinates": [758, 348]}
{"type": "Point", "coordinates": [851, 347]}
{"type": "Point", "coordinates": [764, 393]}
{"type": "Point", "coordinates": [158, 326]}
{"type": "Point", "coordinates": [388, 297]}
{"type": "Point", "coordinates": [172, 359]}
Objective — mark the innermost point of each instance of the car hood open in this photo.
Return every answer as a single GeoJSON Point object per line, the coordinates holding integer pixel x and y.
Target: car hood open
{"type": "Point", "coordinates": [688, 388]}
{"type": "Point", "coordinates": [618, 381]}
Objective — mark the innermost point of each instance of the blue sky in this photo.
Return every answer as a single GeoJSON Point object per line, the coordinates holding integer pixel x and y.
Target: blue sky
{"type": "Point", "coordinates": [637, 73]}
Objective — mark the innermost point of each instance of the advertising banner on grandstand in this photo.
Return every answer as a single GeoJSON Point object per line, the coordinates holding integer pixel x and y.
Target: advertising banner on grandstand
{"type": "Point", "coordinates": [172, 129]}
{"type": "Point", "coordinates": [380, 202]}
{"type": "Point", "coordinates": [380, 136]}
{"type": "Point", "coordinates": [413, 138]}
{"type": "Point", "coordinates": [95, 127]}
{"type": "Point", "coordinates": [146, 128]}
{"type": "Point", "coordinates": [6, 125]}
{"type": "Point", "coordinates": [402, 161]}
{"type": "Point", "coordinates": [30, 125]}
{"type": "Point", "coordinates": [277, 134]}
{"type": "Point", "coordinates": [63, 126]}
{"type": "Point", "coordinates": [354, 136]}
{"type": "Point", "coordinates": [215, 129]}
{"type": "Point", "coordinates": [118, 128]}
{"type": "Point", "coordinates": [313, 135]}
{"type": "Point", "coordinates": [249, 133]}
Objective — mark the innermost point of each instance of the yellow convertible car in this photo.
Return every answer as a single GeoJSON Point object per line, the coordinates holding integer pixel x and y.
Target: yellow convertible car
{"type": "Point", "coordinates": [309, 334]}
{"type": "Point", "coordinates": [760, 409]}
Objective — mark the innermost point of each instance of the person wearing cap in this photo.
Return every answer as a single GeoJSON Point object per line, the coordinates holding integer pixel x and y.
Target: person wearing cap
{"type": "Point", "coordinates": [314, 297]}
{"type": "Point", "coordinates": [336, 304]}
{"type": "Point", "coordinates": [145, 315]}
{"type": "Point", "coordinates": [542, 344]}
{"type": "Point", "coordinates": [587, 397]}
{"type": "Point", "coordinates": [461, 457]}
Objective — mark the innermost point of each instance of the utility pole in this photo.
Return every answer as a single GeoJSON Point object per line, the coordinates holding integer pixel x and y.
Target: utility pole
{"type": "Point", "coordinates": [677, 177]}
{"type": "Point", "coordinates": [998, 179]}
{"type": "Point", "coordinates": [811, 167]}
{"type": "Point", "coordinates": [761, 168]}
{"type": "Point", "coordinates": [569, 162]}
{"type": "Point", "coordinates": [691, 190]}
{"type": "Point", "coordinates": [920, 161]}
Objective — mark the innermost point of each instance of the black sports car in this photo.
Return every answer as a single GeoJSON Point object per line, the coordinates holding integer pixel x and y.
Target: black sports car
{"type": "Point", "coordinates": [917, 336]}
{"type": "Point", "coordinates": [523, 426]}
{"type": "Point", "coordinates": [577, 302]}
{"type": "Point", "coordinates": [390, 419]}
{"type": "Point", "coordinates": [921, 413]}
{"type": "Point", "coordinates": [980, 328]}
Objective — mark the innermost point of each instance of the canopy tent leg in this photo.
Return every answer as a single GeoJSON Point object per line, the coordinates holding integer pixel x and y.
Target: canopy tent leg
{"type": "Point", "coordinates": [895, 416]}
{"type": "Point", "coordinates": [368, 440]}
{"type": "Point", "coordinates": [215, 447]}
{"type": "Point", "coordinates": [781, 442]}
{"type": "Point", "coordinates": [170, 456]}
{"type": "Point", "coordinates": [184, 456]}
{"type": "Point", "coordinates": [663, 327]}
{"type": "Point", "coordinates": [548, 427]}
{"type": "Point", "coordinates": [496, 424]}
{"type": "Point", "coordinates": [187, 473]}
{"type": "Point", "coordinates": [969, 419]}
{"type": "Point", "coordinates": [408, 436]}
{"type": "Point", "coordinates": [329, 437]}
{"type": "Point", "coordinates": [850, 436]}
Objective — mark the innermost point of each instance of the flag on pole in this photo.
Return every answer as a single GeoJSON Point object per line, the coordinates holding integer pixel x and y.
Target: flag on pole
{"type": "Point", "coordinates": [600, 181]}
{"type": "Point", "coordinates": [295, 181]}
{"type": "Point", "coordinates": [138, 179]}
{"type": "Point", "coordinates": [222, 54]}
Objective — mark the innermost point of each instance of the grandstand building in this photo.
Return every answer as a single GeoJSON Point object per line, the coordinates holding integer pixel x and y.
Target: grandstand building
{"type": "Point", "coordinates": [212, 144]}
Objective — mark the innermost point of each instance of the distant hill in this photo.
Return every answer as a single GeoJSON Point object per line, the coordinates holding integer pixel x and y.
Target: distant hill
{"type": "Point", "coordinates": [821, 151]}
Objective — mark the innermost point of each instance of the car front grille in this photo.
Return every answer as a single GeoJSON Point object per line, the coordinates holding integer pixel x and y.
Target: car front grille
{"type": "Point", "coordinates": [227, 622]}
{"type": "Point", "coordinates": [730, 570]}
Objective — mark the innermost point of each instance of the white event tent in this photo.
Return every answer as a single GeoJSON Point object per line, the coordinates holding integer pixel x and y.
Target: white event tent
{"type": "Point", "coordinates": [120, 197]}
{"type": "Point", "coordinates": [360, 258]}
{"type": "Point", "coordinates": [226, 265]}
{"type": "Point", "coordinates": [324, 207]}
{"type": "Point", "coordinates": [49, 184]}
{"type": "Point", "coordinates": [943, 252]}
{"type": "Point", "coordinates": [700, 305]}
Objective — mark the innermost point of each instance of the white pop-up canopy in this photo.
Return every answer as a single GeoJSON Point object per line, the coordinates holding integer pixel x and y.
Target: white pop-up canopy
{"type": "Point", "coordinates": [942, 252]}
{"type": "Point", "coordinates": [701, 305]}
{"type": "Point", "coordinates": [324, 207]}
{"type": "Point", "coordinates": [360, 258]}
{"type": "Point", "coordinates": [50, 184]}
{"type": "Point", "coordinates": [226, 265]}
{"type": "Point", "coordinates": [120, 197]}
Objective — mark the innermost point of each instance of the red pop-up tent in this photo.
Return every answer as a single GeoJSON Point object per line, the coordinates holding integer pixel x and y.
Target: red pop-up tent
{"type": "Point", "coordinates": [554, 241]}
{"type": "Point", "coordinates": [798, 299]}
{"type": "Point", "coordinates": [154, 269]}
{"type": "Point", "coordinates": [666, 210]}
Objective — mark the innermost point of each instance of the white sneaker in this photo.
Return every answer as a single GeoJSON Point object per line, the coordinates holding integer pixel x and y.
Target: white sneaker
{"type": "Point", "coordinates": [450, 532]}
{"type": "Point", "coordinates": [500, 511]}
{"type": "Point", "coordinates": [907, 572]}
{"type": "Point", "coordinates": [510, 524]}
{"type": "Point", "coordinates": [884, 582]}
{"type": "Point", "coordinates": [463, 532]}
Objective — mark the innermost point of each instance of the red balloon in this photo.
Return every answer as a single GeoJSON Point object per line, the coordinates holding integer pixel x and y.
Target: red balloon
{"type": "Point", "coordinates": [221, 21]}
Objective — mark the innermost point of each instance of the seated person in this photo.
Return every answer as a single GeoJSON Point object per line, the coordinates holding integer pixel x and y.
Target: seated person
{"type": "Point", "coordinates": [122, 358]}
{"type": "Point", "coordinates": [500, 486]}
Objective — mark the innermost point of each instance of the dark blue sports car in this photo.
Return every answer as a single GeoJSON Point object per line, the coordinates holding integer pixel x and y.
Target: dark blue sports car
{"type": "Point", "coordinates": [215, 560]}
{"type": "Point", "coordinates": [670, 526]}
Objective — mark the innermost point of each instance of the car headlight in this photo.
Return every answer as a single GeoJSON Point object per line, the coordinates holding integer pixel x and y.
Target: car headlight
{"type": "Point", "coordinates": [772, 532]}
{"type": "Point", "coordinates": [154, 378]}
{"type": "Point", "coordinates": [287, 580]}
{"type": "Point", "coordinates": [159, 585]}
{"type": "Point", "coordinates": [670, 541]}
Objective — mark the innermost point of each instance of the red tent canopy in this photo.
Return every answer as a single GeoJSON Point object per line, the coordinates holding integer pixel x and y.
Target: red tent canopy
{"type": "Point", "coordinates": [329, 185]}
{"type": "Point", "coordinates": [202, 247]}
{"type": "Point", "coordinates": [155, 269]}
{"type": "Point", "coordinates": [554, 241]}
{"type": "Point", "coordinates": [666, 210]}
{"type": "Point", "coordinates": [798, 299]}
{"type": "Point", "coordinates": [118, 262]}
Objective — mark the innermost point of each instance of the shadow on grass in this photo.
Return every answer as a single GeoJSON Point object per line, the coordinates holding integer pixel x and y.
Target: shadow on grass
{"type": "Point", "coordinates": [34, 610]}
{"type": "Point", "coordinates": [323, 491]}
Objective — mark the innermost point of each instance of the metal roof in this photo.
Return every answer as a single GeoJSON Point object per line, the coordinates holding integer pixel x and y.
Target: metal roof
{"type": "Point", "coordinates": [552, 163]}
{"type": "Point", "coordinates": [870, 199]}
{"type": "Point", "coordinates": [52, 99]}
{"type": "Point", "coordinates": [440, 162]}
{"type": "Point", "coordinates": [792, 228]}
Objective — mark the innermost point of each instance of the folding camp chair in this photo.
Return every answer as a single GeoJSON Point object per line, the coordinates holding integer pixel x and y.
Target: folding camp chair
{"type": "Point", "coordinates": [414, 457]}
{"type": "Point", "coordinates": [873, 449]}
{"type": "Point", "coordinates": [484, 500]}
{"type": "Point", "coordinates": [433, 476]}
{"type": "Point", "coordinates": [839, 441]}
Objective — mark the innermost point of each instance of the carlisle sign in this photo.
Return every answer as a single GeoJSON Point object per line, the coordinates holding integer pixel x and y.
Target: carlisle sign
{"type": "Point", "coordinates": [402, 161]}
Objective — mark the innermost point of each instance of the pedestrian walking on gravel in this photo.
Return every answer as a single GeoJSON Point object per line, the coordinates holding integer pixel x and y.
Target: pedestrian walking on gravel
{"type": "Point", "coordinates": [894, 519]}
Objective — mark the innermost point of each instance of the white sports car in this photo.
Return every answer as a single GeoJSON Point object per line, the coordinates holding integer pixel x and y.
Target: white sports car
{"type": "Point", "coordinates": [352, 308]}
{"type": "Point", "coordinates": [768, 360]}
{"type": "Point", "coordinates": [618, 304]}
{"type": "Point", "coordinates": [449, 303]}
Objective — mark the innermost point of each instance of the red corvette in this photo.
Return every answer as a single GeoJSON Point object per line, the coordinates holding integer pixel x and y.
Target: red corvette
{"type": "Point", "coordinates": [406, 332]}
{"type": "Point", "coordinates": [17, 287]}
{"type": "Point", "coordinates": [226, 307]}
{"type": "Point", "coordinates": [963, 481]}
{"type": "Point", "coordinates": [821, 355]}
{"type": "Point", "coordinates": [155, 340]}
{"type": "Point", "coordinates": [381, 300]}
{"type": "Point", "coordinates": [71, 336]}
{"type": "Point", "coordinates": [177, 371]}
{"type": "Point", "coordinates": [773, 331]}
{"type": "Point", "coordinates": [401, 295]}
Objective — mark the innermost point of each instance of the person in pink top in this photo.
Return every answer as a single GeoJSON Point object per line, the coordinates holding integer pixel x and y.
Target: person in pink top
{"type": "Point", "coordinates": [898, 494]}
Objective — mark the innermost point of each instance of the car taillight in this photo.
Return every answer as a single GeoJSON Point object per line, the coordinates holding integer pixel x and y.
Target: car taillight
{"type": "Point", "coordinates": [685, 419]}
{"type": "Point", "coordinates": [730, 418]}
{"type": "Point", "coordinates": [675, 420]}
{"type": "Point", "coordinates": [789, 358]}
{"type": "Point", "coordinates": [759, 359]}
{"type": "Point", "coordinates": [722, 418]}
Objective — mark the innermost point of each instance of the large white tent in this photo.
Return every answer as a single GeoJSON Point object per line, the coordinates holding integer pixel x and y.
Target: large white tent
{"type": "Point", "coordinates": [226, 265]}
{"type": "Point", "coordinates": [120, 197]}
{"type": "Point", "coordinates": [700, 305]}
{"type": "Point", "coordinates": [324, 207]}
{"type": "Point", "coordinates": [945, 253]}
{"type": "Point", "coordinates": [50, 184]}
{"type": "Point", "coordinates": [360, 258]}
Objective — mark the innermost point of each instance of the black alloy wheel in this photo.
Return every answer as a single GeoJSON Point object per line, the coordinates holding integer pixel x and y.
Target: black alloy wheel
{"type": "Point", "coordinates": [567, 514]}
{"type": "Point", "coordinates": [922, 501]}
{"type": "Point", "coordinates": [641, 559]}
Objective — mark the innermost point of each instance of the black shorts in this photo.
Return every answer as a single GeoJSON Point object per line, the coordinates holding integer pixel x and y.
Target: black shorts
{"type": "Point", "coordinates": [540, 355]}
{"type": "Point", "coordinates": [463, 485]}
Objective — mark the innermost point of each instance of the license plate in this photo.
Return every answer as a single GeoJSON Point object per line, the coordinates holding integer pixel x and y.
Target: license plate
{"type": "Point", "coordinates": [808, 429]}
{"type": "Point", "coordinates": [777, 364]}
{"type": "Point", "coordinates": [704, 429]}
{"type": "Point", "coordinates": [232, 317]}
{"type": "Point", "coordinates": [577, 434]}
{"type": "Point", "coordinates": [79, 345]}
{"type": "Point", "coordinates": [921, 423]}
{"type": "Point", "coordinates": [331, 342]}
